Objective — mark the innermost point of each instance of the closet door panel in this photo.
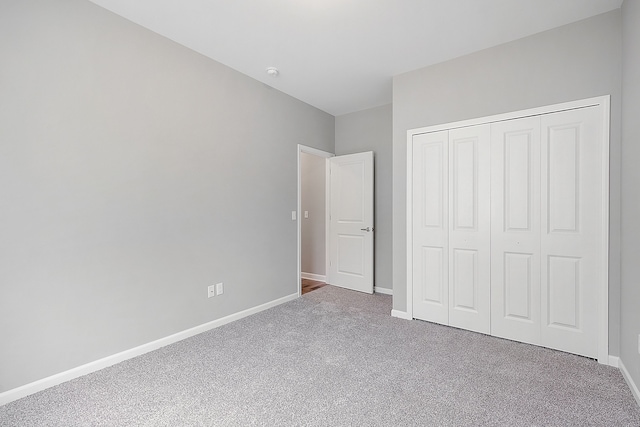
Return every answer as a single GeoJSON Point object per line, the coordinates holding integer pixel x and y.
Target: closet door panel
{"type": "Point", "coordinates": [572, 209]}
{"type": "Point", "coordinates": [430, 227]}
{"type": "Point", "coordinates": [469, 228]}
{"type": "Point", "coordinates": [515, 230]}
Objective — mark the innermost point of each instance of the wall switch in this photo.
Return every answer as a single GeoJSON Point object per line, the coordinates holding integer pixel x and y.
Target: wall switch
{"type": "Point", "coordinates": [211, 291]}
{"type": "Point", "coordinates": [306, 214]}
{"type": "Point", "coordinates": [219, 288]}
{"type": "Point", "coordinates": [293, 215]}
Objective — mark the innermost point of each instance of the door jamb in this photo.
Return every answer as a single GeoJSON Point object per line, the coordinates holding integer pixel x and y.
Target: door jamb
{"type": "Point", "coordinates": [319, 153]}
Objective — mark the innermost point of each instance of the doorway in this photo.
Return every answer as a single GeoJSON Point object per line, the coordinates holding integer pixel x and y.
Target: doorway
{"type": "Point", "coordinates": [312, 217]}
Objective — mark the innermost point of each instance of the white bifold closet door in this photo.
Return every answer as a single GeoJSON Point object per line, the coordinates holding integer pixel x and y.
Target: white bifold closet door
{"type": "Point", "coordinates": [515, 230]}
{"type": "Point", "coordinates": [431, 227]}
{"type": "Point", "coordinates": [469, 228]}
{"type": "Point", "coordinates": [508, 234]}
{"type": "Point", "coordinates": [546, 233]}
{"type": "Point", "coordinates": [571, 225]}
{"type": "Point", "coordinates": [451, 223]}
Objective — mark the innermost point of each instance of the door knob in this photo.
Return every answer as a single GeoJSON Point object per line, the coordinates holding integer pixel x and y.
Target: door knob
{"type": "Point", "coordinates": [367, 229]}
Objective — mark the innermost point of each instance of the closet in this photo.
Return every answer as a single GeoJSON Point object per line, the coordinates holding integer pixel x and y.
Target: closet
{"type": "Point", "coordinates": [508, 226]}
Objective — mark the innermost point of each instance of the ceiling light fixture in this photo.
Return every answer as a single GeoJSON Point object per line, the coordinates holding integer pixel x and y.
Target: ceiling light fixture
{"type": "Point", "coordinates": [273, 71]}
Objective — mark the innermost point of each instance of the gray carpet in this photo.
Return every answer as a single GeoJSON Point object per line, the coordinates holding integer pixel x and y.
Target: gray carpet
{"type": "Point", "coordinates": [336, 358]}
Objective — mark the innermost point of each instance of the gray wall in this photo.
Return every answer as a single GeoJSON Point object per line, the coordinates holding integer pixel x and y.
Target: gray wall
{"type": "Point", "coordinates": [371, 130]}
{"type": "Point", "coordinates": [133, 173]}
{"type": "Point", "coordinates": [576, 61]}
{"type": "Point", "coordinates": [313, 233]}
{"type": "Point", "coordinates": [630, 315]}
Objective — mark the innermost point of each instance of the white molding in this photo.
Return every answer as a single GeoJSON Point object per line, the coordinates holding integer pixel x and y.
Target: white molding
{"type": "Point", "coordinates": [327, 220]}
{"type": "Point", "coordinates": [315, 151]}
{"type": "Point", "coordinates": [603, 298]}
{"type": "Point", "coordinates": [614, 361]}
{"type": "Point", "coordinates": [401, 315]}
{"type": "Point", "coordinates": [633, 386]}
{"type": "Point", "coordinates": [36, 386]}
{"type": "Point", "coordinates": [319, 153]}
{"type": "Point", "coordinates": [384, 291]}
{"type": "Point", "coordinates": [312, 276]}
{"type": "Point", "coordinates": [409, 220]}
{"type": "Point", "coordinates": [571, 105]}
{"type": "Point", "coordinates": [604, 103]}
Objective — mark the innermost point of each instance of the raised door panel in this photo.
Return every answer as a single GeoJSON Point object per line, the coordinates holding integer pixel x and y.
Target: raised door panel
{"type": "Point", "coordinates": [351, 250]}
{"type": "Point", "coordinates": [519, 288]}
{"type": "Point", "coordinates": [351, 197]}
{"type": "Point", "coordinates": [432, 288]}
{"type": "Point", "coordinates": [564, 287]}
{"type": "Point", "coordinates": [464, 280]}
{"type": "Point", "coordinates": [572, 230]}
{"type": "Point", "coordinates": [469, 228]}
{"type": "Point", "coordinates": [515, 230]}
{"type": "Point", "coordinates": [430, 227]}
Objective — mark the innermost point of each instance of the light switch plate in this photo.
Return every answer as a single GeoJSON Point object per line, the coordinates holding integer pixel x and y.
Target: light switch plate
{"type": "Point", "coordinates": [293, 215]}
{"type": "Point", "coordinates": [219, 288]}
{"type": "Point", "coordinates": [306, 214]}
{"type": "Point", "coordinates": [211, 291]}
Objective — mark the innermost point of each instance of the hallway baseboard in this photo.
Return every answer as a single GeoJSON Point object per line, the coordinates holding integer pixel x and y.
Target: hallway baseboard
{"type": "Point", "coordinates": [312, 276]}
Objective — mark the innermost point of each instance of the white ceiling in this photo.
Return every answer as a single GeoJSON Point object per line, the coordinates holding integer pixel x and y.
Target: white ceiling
{"type": "Point", "coordinates": [340, 55]}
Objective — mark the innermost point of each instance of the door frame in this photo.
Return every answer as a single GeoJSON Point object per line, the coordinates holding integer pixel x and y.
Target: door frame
{"type": "Point", "coordinates": [604, 102]}
{"type": "Point", "coordinates": [326, 155]}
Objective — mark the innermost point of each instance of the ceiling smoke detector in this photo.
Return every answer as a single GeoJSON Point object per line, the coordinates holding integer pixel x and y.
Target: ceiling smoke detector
{"type": "Point", "coordinates": [273, 71]}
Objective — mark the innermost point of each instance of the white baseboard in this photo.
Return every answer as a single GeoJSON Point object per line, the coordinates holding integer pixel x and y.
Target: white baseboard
{"type": "Point", "coordinates": [36, 386]}
{"type": "Point", "coordinates": [400, 314]}
{"type": "Point", "coordinates": [633, 386]}
{"type": "Point", "coordinates": [384, 291]}
{"type": "Point", "coordinates": [311, 276]}
{"type": "Point", "coordinates": [614, 361]}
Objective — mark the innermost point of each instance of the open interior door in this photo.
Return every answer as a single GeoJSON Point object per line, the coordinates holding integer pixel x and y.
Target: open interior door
{"type": "Point", "coordinates": [350, 234]}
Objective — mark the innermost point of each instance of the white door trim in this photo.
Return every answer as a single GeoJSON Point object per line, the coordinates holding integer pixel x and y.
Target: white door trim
{"type": "Point", "coordinates": [604, 103]}
{"type": "Point", "coordinates": [603, 308]}
{"type": "Point", "coordinates": [319, 153]}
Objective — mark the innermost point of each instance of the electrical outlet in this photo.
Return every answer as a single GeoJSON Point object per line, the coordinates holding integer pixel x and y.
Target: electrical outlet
{"type": "Point", "coordinates": [211, 291]}
{"type": "Point", "coordinates": [219, 288]}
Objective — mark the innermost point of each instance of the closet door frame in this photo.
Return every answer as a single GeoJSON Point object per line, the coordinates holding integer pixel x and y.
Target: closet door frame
{"type": "Point", "coordinates": [603, 102]}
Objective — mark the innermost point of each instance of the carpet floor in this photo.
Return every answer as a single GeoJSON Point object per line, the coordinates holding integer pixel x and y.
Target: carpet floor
{"type": "Point", "coordinates": [336, 358]}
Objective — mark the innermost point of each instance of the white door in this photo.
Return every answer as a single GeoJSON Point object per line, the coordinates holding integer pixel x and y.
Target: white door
{"type": "Point", "coordinates": [572, 235]}
{"type": "Point", "coordinates": [431, 227]}
{"type": "Point", "coordinates": [515, 230]}
{"type": "Point", "coordinates": [351, 222]}
{"type": "Point", "coordinates": [470, 228]}
{"type": "Point", "coordinates": [451, 227]}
